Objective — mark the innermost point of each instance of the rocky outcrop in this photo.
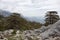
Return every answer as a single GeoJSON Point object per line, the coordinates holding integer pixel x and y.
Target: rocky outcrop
{"type": "Point", "coordinates": [53, 31]}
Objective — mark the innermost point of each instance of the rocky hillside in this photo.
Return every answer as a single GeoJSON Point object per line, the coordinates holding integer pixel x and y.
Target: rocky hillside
{"type": "Point", "coordinates": [51, 32]}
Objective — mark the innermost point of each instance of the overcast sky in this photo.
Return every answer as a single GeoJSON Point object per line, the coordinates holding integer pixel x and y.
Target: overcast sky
{"type": "Point", "coordinates": [30, 7]}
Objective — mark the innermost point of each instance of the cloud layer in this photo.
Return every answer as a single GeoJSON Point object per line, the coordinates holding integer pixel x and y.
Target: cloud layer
{"type": "Point", "coordinates": [30, 7]}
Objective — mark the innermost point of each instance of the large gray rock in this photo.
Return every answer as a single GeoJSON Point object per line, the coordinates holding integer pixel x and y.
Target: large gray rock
{"type": "Point", "coordinates": [53, 31]}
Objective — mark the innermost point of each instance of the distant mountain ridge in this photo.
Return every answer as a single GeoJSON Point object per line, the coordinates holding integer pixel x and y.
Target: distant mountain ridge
{"type": "Point", "coordinates": [5, 13]}
{"type": "Point", "coordinates": [36, 19]}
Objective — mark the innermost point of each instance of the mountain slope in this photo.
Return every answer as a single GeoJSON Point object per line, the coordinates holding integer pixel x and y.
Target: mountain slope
{"type": "Point", "coordinates": [36, 19]}
{"type": "Point", "coordinates": [52, 32]}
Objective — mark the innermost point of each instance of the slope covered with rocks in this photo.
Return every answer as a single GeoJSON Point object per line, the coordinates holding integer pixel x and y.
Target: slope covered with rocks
{"type": "Point", "coordinates": [51, 32]}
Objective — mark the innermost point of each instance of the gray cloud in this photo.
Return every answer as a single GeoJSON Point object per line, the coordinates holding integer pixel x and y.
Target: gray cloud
{"type": "Point", "coordinates": [30, 7]}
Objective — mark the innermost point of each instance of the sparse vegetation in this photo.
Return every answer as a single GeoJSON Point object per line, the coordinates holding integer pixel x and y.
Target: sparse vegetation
{"type": "Point", "coordinates": [15, 21]}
